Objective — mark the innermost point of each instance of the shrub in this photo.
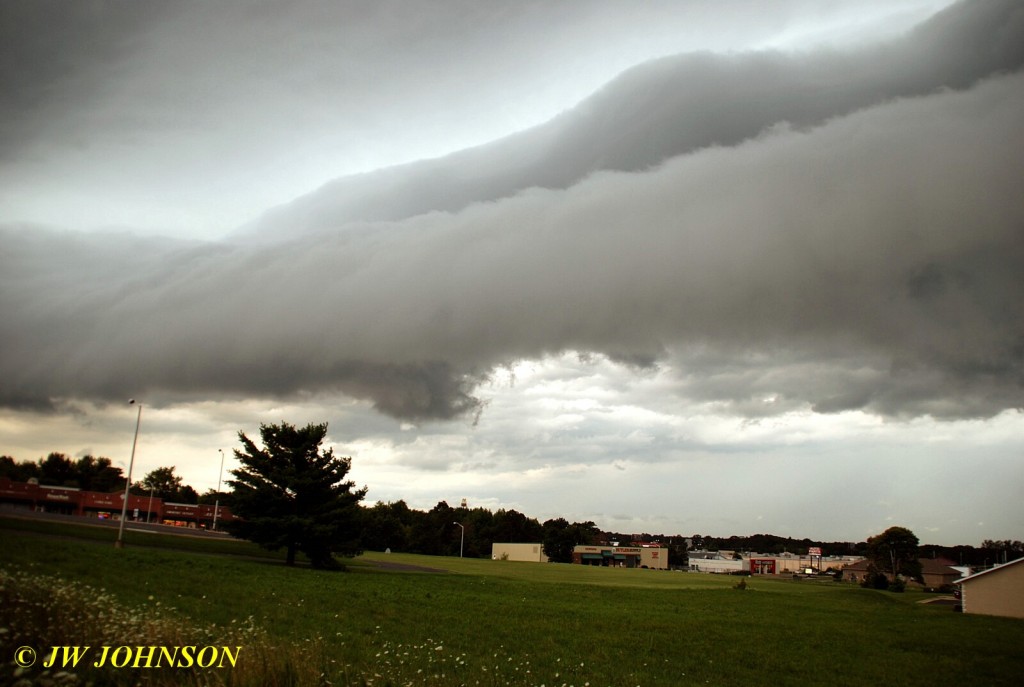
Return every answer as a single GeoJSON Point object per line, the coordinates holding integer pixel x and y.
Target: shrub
{"type": "Point", "coordinates": [875, 580]}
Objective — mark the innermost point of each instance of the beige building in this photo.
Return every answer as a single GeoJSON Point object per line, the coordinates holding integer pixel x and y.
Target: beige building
{"type": "Point", "coordinates": [996, 591]}
{"type": "Point", "coordinates": [790, 563]}
{"type": "Point", "coordinates": [622, 556]}
{"type": "Point", "coordinates": [533, 553]}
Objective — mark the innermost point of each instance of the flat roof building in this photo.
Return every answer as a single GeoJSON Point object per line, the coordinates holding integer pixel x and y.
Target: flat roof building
{"type": "Point", "coordinates": [96, 504]}
{"type": "Point", "coordinates": [621, 556]}
{"type": "Point", "coordinates": [533, 553]}
{"type": "Point", "coordinates": [721, 562]}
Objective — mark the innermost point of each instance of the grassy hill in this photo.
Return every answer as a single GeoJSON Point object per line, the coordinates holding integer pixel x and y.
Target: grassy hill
{"type": "Point", "coordinates": [404, 619]}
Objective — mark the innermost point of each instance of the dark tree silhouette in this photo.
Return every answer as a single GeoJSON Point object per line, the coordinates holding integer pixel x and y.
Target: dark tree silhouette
{"type": "Point", "coordinates": [290, 494]}
{"type": "Point", "coordinates": [895, 552]}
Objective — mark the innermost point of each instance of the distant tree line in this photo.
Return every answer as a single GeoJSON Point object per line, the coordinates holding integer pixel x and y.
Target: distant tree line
{"type": "Point", "coordinates": [774, 544]}
{"type": "Point", "coordinates": [439, 531]}
{"type": "Point", "coordinates": [989, 553]}
{"type": "Point", "coordinates": [90, 473]}
{"type": "Point", "coordinates": [398, 527]}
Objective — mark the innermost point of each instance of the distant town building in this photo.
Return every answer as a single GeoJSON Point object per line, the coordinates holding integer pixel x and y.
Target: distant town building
{"type": "Point", "coordinates": [96, 504]}
{"type": "Point", "coordinates": [533, 553]}
{"type": "Point", "coordinates": [936, 572]}
{"type": "Point", "coordinates": [724, 562]}
{"type": "Point", "coordinates": [939, 572]}
{"type": "Point", "coordinates": [622, 556]}
{"type": "Point", "coordinates": [717, 562]}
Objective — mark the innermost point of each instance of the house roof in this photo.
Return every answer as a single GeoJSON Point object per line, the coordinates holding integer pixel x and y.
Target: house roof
{"type": "Point", "coordinates": [862, 564]}
{"type": "Point", "coordinates": [997, 568]}
{"type": "Point", "coordinates": [937, 566]}
{"type": "Point", "coordinates": [929, 566]}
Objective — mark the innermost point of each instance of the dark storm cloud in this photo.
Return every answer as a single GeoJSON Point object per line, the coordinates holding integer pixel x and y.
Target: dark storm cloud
{"type": "Point", "coordinates": [872, 262]}
{"type": "Point", "coordinates": [674, 106]}
{"type": "Point", "coordinates": [98, 315]}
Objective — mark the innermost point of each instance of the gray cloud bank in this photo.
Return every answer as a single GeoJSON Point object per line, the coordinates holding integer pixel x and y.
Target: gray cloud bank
{"type": "Point", "coordinates": [188, 118]}
{"type": "Point", "coordinates": [674, 106]}
{"type": "Point", "coordinates": [856, 242]}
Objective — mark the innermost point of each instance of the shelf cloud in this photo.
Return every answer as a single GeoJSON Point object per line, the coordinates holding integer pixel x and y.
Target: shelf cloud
{"type": "Point", "coordinates": [832, 230]}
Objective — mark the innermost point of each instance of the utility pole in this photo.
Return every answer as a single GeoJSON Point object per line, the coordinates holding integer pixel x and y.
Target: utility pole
{"type": "Point", "coordinates": [119, 544]}
{"type": "Point", "coordinates": [462, 539]}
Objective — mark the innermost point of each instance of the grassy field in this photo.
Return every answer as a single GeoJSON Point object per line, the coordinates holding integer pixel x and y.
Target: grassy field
{"type": "Point", "coordinates": [480, 621]}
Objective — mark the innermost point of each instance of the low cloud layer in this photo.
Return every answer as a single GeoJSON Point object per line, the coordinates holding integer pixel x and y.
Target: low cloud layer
{"type": "Point", "coordinates": [860, 251]}
{"type": "Point", "coordinates": [189, 118]}
{"type": "Point", "coordinates": [671, 107]}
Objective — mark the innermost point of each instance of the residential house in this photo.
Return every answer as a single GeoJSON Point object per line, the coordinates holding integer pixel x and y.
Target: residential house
{"type": "Point", "coordinates": [996, 591]}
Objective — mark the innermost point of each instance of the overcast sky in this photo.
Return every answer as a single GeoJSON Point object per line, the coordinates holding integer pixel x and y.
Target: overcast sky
{"type": "Point", "coordinates": [688, 267]}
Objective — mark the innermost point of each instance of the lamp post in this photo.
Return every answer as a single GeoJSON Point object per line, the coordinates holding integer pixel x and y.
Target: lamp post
{"type": "Point", "coordinates": [131, 463]}
{"type": "Point", "coordinates": [462, 539]}
{"type": "Point", "coordinates": [216, 504]}
{"type": "Point", "coordinates": [149, 508]}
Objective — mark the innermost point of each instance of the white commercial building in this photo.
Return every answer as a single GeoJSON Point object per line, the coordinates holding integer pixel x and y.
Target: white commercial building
{"type": "Point", "coordinates": [717, 562]}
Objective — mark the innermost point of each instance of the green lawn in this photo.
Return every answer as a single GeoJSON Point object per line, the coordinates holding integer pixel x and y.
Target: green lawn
{"type": "Point", "coordinates": [497, 622]}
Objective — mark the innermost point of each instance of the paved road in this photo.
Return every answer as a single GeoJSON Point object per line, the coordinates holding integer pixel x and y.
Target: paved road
{"type": "Point", "coordinates": [135, 525]}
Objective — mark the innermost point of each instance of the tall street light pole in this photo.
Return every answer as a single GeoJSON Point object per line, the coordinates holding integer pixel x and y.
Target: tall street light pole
{"type": "Point", "coordinates": [216, 504]}
{"type": "Point", "coordinates": [149, 508]}
{"type": "Point", "coordinates": [462, 539]}
{"type": "Point", "coordinates": [131, 463]}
